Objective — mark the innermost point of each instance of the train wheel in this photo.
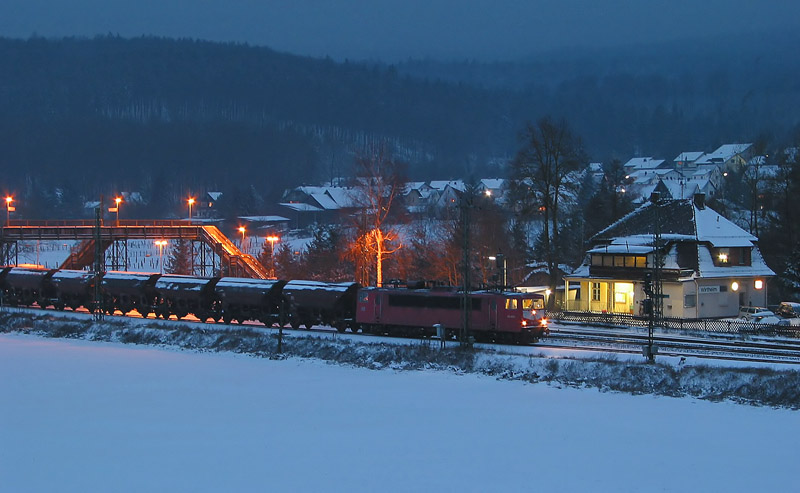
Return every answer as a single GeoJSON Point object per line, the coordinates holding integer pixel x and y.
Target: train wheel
{"type": "Point", "coordinates": [308, 325]}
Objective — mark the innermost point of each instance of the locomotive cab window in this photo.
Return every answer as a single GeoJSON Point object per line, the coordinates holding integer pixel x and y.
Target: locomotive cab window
{"type": "Point", "coordinates": [511, 303]}
{"type": "Point", "coordinates": [532, 304]}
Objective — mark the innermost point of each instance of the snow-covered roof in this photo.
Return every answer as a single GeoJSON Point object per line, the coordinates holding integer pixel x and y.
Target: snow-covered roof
{"type": "Point", "coordinates": [718, 231]}
{"type": "Point", "coordinates": [620, 249]}
{"type": "Point", "coordinates": [325, 201]}
{"type": "Point", "coordinates": [492, 183]}
{"type": "Point", "coordinates": [214, 195]}
{"type": "Point", "coordinates": [682, 218]}
{"type": "Point", "coordinates": [442, 184]}
{"type": "Point", "coordinates": [309, 190]}
{"type": "Point", "coordinates": [638, 163]}
{"type": "Point", "coordinates": [300, 207]}
{"type": "Point", "coordinates": [264, 219]}
{"type": "Point", "coordinates": [723, 153]}
{"type": "Point", "coordinates": [688, 157]}
{"type": "Point", "coordinates": [682, 189]}
{"type": "Point", "coordinates": [344, 197]}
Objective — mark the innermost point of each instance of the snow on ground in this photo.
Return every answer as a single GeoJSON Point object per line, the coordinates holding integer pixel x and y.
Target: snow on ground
{"type": "Point", "coordinates": [89, 416]}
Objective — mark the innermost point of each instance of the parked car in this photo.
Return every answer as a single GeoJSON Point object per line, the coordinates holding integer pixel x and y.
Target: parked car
{"type": "Point", "coordinates": [748, 312]}
{"type": "Point", "coordinates": [788, 309]}
{"type": "Point", "coordinates": [763, 318]}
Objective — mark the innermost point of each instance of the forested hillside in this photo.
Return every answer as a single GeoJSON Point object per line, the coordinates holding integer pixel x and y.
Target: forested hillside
{"type": "Point", "coordinates": [79, 117]}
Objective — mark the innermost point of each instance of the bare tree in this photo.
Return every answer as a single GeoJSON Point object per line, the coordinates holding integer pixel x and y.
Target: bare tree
{"type": "Point", "coordinates": [541, 169]}
{"type": "Point", "coordinates": [379, 184]}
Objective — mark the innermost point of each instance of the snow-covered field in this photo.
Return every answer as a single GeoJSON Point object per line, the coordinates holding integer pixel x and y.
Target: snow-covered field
{"type": "Point", "coordinates": [90, 416]}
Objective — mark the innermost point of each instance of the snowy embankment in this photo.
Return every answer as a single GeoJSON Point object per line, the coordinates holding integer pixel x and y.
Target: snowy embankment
{"type": "Point", "coordinates": [81, 416]}
{"type": "Point", "coordinates": [771, 386]}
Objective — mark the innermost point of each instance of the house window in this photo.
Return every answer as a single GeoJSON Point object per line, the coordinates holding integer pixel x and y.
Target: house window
{"type": "Point", "coordinates": [690, 301]}
{"type": "Point", "coordinates": [627, 261]}
{"type": "Point", "coordinates": [595, 291]}
{"type": "Point", "coordinates": [726, 257]}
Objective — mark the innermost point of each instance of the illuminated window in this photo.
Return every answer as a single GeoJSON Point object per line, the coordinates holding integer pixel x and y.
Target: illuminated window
{"type": "Point", "coordinates": [723, 256]}
{"type": "Point", "coordinates": [759, 284]}
{"type": "Point", "coordinates": [511, 304]}
{"type": "Point", "coordinates": [620, 298]}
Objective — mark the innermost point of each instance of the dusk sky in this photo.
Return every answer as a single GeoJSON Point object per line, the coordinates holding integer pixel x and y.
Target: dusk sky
{"type": "Point", "coordinates": [398, 29]}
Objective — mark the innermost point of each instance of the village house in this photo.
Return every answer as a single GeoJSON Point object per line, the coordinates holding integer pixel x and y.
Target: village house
{"type": "Point", "coordinates": [729, 157]}
{"type": "Point", "coordinates": [711, 267]}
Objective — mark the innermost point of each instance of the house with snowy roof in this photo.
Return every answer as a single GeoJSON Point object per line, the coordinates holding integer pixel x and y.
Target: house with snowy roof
{"type": "Point", "coordinates": [710, 268]}
{"type": "Point", "coordinates": [728, 156]}
{"type": "Point", "coordinates": [642, 163]}
{"type": "Point", "coordinates": [687, 159]}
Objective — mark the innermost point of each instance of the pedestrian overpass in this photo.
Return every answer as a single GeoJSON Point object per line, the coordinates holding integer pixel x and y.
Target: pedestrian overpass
{"type": "Point", "coordinates": [212, 253]}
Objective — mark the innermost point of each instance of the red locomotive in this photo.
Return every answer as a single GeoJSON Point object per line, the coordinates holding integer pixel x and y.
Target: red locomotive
{"type": "Point", "coordinates": [497, 316]}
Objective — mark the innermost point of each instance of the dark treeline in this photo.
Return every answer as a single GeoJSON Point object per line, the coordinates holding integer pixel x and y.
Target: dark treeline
{"type": "Point", "coordinates": [80, 117]}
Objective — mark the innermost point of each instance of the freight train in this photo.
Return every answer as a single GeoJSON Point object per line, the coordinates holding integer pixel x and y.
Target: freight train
{"type": "Point", "coordinates": [419, 310]}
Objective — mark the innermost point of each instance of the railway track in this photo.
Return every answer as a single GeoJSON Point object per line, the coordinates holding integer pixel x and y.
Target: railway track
{"type": "Point", "coordinates": [782, 351]}
{"type": "Point", "coordinates": [587, 339]}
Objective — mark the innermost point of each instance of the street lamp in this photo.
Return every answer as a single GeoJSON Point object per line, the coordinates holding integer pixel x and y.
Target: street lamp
{"type": "Point", "coordinates": [161, 244]}
{"type": "Point", "coordinates": [272, 240]}
{"type": "Point", "coordinates": [9, 208]}
{"type": "Point", "coordinates": [242, 230]}
{"type": "Point", "coordinates": [191, 203]}
{"type": "Point", "coordinates": [118, 201]}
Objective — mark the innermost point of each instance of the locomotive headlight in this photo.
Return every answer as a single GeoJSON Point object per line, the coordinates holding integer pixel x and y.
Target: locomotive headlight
{"type": "Point", "coordinates": [524, 323]}
{"type": "Point", "coordinates": [544, 322]}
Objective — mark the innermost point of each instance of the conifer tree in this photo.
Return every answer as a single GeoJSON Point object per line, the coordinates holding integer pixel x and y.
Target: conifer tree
{"type": "Point", "coordinates": [180, 258]}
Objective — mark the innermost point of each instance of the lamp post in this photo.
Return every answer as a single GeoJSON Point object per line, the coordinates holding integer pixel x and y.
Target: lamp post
{"type": "Point", "coordinates": [191, 203]}
{"type": "Point", "coordinates": [272, 239]}
{"type": "Point", "coordinates": [242, 230]}
{"type": "Point", "coordinates": [117, 200]}
{"type": "Point", "coordinates": [9, 208]}
{"type": "Point", "coordinates": [161, 244]}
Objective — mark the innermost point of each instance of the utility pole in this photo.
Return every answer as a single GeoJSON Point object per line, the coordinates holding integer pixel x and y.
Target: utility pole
{"type": "Point", "coordinates": [653, 285]}
{"type": "Point", "coordinates": [466, 205]}
{"type": "Point", "coordinates": [99, 262]}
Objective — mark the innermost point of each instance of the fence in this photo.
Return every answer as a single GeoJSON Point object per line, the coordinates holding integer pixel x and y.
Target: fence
{"type": "Point", "coordinates": [699, 324]}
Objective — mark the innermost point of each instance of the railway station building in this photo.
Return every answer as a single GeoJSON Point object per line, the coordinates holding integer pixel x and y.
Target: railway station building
{"type": "Point", "coordinates": [710, 266]}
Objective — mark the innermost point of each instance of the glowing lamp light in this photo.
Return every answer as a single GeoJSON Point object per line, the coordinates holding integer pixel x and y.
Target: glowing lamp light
{"type": "Point", "coordinates": [723, 257]}
{"type": "Point", "coordinates": [734, 286]}
{"type": "Point", "coordinates": [488, 193]}
{"type": "Point", "coordinates": [759, 284]}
